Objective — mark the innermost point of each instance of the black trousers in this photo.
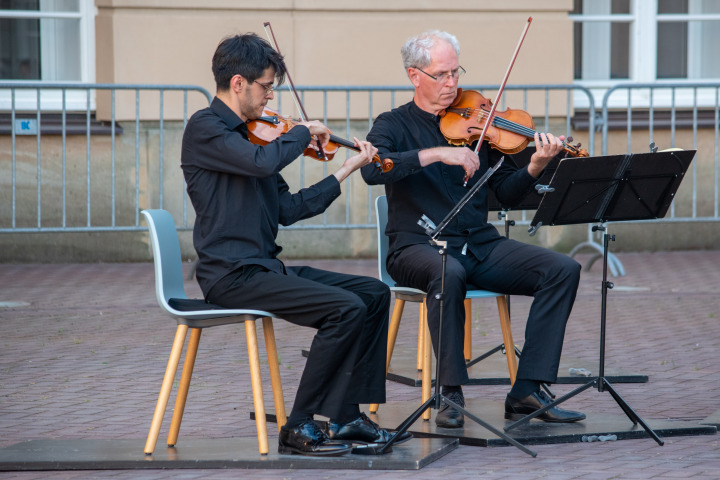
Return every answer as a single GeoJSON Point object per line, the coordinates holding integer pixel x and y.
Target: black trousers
{"type": "Point", "coordinates": [513, 268]}
{"type": "Point", "coordinates": [347, 357]}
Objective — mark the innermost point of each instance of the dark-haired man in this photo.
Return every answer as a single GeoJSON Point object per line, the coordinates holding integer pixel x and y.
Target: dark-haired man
{"type": "Point", "coordinates": [240, 199]}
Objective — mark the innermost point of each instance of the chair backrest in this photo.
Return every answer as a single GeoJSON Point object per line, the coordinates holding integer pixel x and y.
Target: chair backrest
{"type": "Point", "coordinates": [166, 256]}
{"type": "Point", "coordinates": [381, 214]}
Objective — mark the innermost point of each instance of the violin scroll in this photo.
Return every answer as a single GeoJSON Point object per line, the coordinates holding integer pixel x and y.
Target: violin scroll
{"type": "Point", "coordinates": [574, 150]}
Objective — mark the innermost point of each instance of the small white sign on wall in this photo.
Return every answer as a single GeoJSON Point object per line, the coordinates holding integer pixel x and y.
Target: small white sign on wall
{"type": "Point", "coordinates": [26, 126]}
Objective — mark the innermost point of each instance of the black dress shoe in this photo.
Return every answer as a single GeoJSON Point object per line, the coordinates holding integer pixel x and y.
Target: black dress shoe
{"type": "Point", "coordinates": [363, 430]}
{"type": "Point", "coordinates": [516, 409]}
{"type": "Point", "coordinates": [449, 417]}
{"type": "Point", "coordinates": [309, 439]}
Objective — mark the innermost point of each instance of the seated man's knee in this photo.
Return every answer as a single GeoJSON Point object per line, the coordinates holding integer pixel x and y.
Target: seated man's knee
{"type": "Point", "coordinates": [356, 305]}
{"type": "Point", "coordinates": [455, 275]}
{"type": "Point", "coordinates": [568, 269]}
{"type": "Point", "coordinates": [455, 280]}
{"type": "Point", "coordinates": [352, 315]}
{"type": "Point", "coordinates": [382, 292]}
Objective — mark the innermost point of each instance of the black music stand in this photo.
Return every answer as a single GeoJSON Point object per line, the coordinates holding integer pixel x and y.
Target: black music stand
{"type": "Point", "coordinates": [609, 189]}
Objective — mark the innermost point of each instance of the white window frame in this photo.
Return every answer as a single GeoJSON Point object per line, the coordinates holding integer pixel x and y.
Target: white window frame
{"type": "Point", "coordinates": [643, 19]}
{"type": "Point", "coordinates": [52, 100]}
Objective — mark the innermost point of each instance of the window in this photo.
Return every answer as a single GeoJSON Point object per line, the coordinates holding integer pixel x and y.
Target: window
{"type": "Point", "coordinates": [601, 39]}
{"type": "Point", "coordinates": [688, 33]}
{"type": "Point", "coordinates": [50, 41]}
{"type": "Point", "coordinates": [644, 41]}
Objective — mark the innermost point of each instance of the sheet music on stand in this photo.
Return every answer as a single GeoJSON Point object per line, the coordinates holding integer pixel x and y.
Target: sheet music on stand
{"type": "Point", "coordinates": [612, 188]}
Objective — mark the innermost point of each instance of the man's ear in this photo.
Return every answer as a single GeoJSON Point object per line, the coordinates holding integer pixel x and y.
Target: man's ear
{"type": "Point", "coordinates": [413, 75]}
{"type": "Point", "coordinates": [236, 83]}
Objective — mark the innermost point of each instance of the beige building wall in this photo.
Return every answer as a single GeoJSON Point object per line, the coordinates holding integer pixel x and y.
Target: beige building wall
{"type": "Point", "coordinates": [328, 42]}
{"type": "Point", "coordinates": [325, 42]}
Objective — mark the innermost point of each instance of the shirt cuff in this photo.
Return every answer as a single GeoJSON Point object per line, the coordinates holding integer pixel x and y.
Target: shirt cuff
{"type": "Point", "coordinates": [330, 186]}
{"type": "Point", "coordinates": [411, 160]}
{"type": "Point", "coordinates": [529, 179]}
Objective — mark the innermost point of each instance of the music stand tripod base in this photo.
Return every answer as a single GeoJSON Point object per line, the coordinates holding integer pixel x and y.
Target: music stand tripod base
{"type": "Point", "coordinates": [609, 189]}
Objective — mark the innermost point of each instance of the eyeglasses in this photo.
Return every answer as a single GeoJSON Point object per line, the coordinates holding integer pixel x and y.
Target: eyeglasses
{"type": "Point", "coordinates": [444, 77]}
{"type": "Point", "coordinates": [269, 87]}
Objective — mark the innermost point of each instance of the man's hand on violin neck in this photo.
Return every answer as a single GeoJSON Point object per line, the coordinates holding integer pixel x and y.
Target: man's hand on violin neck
{"type": "Point", "coordinates": [367, 152]}
{"type": "Point", "coordinates": [319, 130]}
{"type": "Point", "coordinates": [547, 146]}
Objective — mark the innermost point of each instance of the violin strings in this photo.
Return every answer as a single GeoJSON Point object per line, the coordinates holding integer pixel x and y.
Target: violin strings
{"type": "Point", "coordinates": [511, 126]}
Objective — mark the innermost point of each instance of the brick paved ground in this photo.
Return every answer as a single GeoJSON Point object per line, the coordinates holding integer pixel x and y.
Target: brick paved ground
{"type": "Point", "coordinates": [84, 357]}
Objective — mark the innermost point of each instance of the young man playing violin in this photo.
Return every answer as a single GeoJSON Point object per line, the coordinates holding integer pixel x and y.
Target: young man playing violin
{"type": "Point", "coordinates": [428, 178]}
{"type": "Point", "coordinates": [240, 198]}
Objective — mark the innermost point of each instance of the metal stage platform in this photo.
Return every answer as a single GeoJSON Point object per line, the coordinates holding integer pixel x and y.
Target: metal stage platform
{"type": "Point", "coordinates": [612, 422]}
{"type": "Point", "coordinates": [230, 453]}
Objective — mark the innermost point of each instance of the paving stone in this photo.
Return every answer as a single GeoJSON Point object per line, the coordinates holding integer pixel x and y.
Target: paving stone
{"type": "Point", "coordinates": [84, 348]}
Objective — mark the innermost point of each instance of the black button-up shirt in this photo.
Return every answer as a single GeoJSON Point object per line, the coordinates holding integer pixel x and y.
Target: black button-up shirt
{"type": "Point", "coordinates": [238, 194]}
{"type": "Point", "coordinates": [435, 189]}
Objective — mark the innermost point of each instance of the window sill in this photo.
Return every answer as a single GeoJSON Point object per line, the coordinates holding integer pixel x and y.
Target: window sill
{"type": "Point", "coordinates": [662, 119]}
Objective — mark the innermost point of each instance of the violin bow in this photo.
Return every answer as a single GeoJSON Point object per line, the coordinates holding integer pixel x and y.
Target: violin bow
{"type": "Point", "coordinates": [500, 90]}
{"type": "Point", "coordinates": [296, 97]}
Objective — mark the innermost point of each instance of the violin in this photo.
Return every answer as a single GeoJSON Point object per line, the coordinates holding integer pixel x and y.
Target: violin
{"type": "Point", "coordinates": [271, 125]}
{"type": "Point", "coordinates": [509, 132]}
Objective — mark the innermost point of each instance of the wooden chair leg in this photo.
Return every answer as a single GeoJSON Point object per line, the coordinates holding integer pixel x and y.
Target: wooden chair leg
{"type": "Point", "coordinates": [507, 337]}
{"type": "Point", "coordinates": [162, 402]}
{"type": "Point", "coordinates": [421, 336]}
{"type": "Point", "coordinates": [393, 329]}
{"type": "Point", "coordinates": [182, 393]}
{"type": "Point", "coordinates": [259, 403]}
{"type": "Point", "coordinates": [427, 351]}
{"type": "Point", "coordinates": [468, 329]}
{"type": "Point", "coordinates": [392, 338]}
{"type": "Point", "coordinates": [271, 349]}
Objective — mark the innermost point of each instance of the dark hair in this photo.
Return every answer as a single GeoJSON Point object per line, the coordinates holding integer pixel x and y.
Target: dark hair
{"type": "Point", "coordinates": [247, 55]}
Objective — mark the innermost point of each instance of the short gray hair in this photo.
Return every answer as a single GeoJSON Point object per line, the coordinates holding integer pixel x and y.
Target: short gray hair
{"type": "Point", "coordinates": [416, 51]}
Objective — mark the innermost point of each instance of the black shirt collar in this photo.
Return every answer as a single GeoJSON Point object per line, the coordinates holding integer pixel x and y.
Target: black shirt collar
{"type": "Point", "coordinates": [415, 110]}
{"type": "Point", "coordinates": [227, 115]}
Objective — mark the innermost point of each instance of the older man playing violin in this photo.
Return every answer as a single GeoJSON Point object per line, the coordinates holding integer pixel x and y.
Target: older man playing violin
{"type": "Point", "coordinates": [428, 178]}
{"type": "Point", "coordinates": [240, 198]}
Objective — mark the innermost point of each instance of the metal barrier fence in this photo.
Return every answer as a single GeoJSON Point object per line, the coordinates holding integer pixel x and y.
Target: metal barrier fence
{"type": "Point", "coordinates": [551, 107]}
{"type": "Point", "coordinates": [54, 184]}
{"type": "Point", "coordinates": [681, 112]}
{"type": "Point", "coordinates": [70, 189]}
{"type": "Point", "coordinates": [90, 200]}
